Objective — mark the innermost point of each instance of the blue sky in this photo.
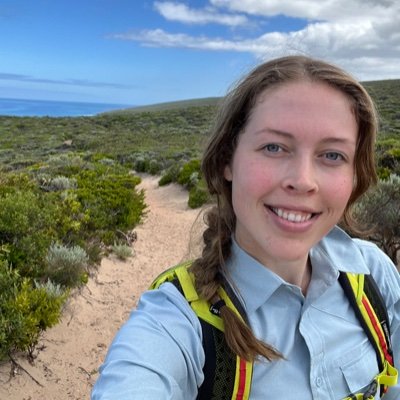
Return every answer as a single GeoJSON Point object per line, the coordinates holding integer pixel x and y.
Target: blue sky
{"type": "Point", "coordinates": [144, 52]}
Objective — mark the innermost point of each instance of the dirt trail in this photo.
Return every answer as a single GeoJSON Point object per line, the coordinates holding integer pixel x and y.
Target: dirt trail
{"type": "Point", "coordinates": [66, 367]}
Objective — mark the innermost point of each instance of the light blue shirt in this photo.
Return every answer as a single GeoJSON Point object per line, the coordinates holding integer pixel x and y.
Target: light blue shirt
{"type": "Point", "coordinates": [158, 353]}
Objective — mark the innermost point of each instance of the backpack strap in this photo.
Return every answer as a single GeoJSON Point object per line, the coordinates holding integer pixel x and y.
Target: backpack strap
{"type": "Point", "coordinates": [369, 306]}
{"type": "Point", "coordinates": [226, 376]}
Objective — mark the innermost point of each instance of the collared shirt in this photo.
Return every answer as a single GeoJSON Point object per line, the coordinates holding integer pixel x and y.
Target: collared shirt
{"type": "Point", "coordinates": [158, 353]}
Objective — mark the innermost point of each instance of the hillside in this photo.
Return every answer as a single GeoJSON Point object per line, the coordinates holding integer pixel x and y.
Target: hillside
{"type": "Point", "coordinates": [162, 131]}
{"type": "Point", "coordinates": [386, 95]}
{"type": "Point", "coordinates": [172, 105]}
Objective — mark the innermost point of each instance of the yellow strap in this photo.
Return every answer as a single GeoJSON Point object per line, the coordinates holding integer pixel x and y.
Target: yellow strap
{"type": "Point", "coordinates": [244, 369]}
{"type": "Point", "coordinates": [167, 275]}
{"type": "Point", "coordinates": [389, 375]}
{"type": "Point", "coordinates": [243, 375]}
{"type": "Point", "coordinates": [357, 283]}
{"type": "Point", "coordinates": [186, 282]}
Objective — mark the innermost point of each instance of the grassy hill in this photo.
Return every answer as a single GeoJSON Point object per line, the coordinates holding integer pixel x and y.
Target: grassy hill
{"type": "Point", "coordinates": [172, 105]}
{"type": "Point", "coordinates": [386, 95]}
{"type": "Point", "coordinates": [167, 130]}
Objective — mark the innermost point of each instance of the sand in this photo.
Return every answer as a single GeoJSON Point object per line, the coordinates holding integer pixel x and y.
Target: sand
{"type": "Point", "coordinates": [70, 354]}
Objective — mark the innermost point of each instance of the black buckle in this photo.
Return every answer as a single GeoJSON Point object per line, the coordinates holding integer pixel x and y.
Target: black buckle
{"type": "Point", "coordinates": [216, 307]}
{"type": "Point", "coordinates": [371, 391]}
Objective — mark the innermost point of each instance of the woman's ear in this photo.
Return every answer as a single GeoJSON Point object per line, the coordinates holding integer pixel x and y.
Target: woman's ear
{"type": "Point", "coordinates": [228, 173]}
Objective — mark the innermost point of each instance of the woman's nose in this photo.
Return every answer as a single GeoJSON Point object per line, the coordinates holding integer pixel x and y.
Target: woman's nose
{"type": "Point", "coordinates": [301, 176]}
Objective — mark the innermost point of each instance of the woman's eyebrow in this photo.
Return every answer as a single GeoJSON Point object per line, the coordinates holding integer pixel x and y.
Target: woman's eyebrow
{"type": "Point", "coordinates": [276, 132]}
{"type": "Point", "coordinates": [288, 135]}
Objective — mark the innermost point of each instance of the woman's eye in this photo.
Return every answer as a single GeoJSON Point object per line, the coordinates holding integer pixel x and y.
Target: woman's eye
{"type": "Point", "coordinates": [334, 156]}
{"type": "Point", "coordinates": [273, 148]}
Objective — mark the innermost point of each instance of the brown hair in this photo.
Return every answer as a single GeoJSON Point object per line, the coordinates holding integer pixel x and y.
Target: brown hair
{"type": "Point", "coordinates": [230, 123]}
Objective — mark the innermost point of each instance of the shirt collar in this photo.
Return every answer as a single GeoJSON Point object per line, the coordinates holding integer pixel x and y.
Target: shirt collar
{"type": "Point", "coordinates": [341, 252]}
{"type": "Point", "coordinates": [256, 283]}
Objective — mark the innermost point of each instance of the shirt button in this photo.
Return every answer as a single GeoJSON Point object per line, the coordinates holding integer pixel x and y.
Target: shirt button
{"type": "Point", "coordinates": [318, 382]}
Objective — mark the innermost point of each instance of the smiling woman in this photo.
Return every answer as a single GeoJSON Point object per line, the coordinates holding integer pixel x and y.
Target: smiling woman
{"type": "Point", "coordinates": [290, 153]}
{"type": "Point", "coordinates": [292, 177]}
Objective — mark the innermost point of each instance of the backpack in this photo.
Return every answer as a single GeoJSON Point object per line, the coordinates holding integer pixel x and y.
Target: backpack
{"type": "Point", "coordinates": [228, 377]}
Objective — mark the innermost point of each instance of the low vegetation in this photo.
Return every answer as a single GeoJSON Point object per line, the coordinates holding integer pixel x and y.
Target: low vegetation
{"type": "Point", "coordinates": [57, 217]}
{"type": "Point", "coordinates": [68, 196]}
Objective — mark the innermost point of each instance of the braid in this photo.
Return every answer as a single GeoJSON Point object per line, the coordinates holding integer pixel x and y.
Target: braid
{"type": "Point", "coordinates": [217, 246]}
{"type": "Point", "coordinates": [208, 270]}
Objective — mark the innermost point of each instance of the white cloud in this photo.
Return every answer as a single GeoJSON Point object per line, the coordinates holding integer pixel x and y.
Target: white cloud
{"type": "Point", "coordinates": [182, 13]}
{"type": "Point", "coordinates": [331, 10]}
{"type": "Point", "coordinates": [5, 76]}
{"type": "Point", "coordinates": [160, 38]}
{"type": "Point", "coordinates": [360, 35]}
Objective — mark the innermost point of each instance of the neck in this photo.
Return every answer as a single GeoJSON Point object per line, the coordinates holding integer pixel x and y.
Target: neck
{"type": "Point", "coordinates": [297, 273]}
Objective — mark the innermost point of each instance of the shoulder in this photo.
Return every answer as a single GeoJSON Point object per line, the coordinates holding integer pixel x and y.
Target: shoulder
{"type": "Point", "coordinates": [167, 304]}
{"type": "Point", "coordinates": [371, 252]}
{"type": "Point", "coordinates": [381, 268]}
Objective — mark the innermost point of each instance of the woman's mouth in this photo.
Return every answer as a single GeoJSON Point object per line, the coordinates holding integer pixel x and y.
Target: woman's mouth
{"type": "Point", "coordinates": [292, 216]}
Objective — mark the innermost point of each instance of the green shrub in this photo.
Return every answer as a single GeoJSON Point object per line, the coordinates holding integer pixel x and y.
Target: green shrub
{"type": "Point", "coordinates": [26, 311]}
{"type": "Point", "coordinates": [141, 164]}
{"type": "Point", "coordinates": [383, 173]}
{"type": "Point", "coordinates": [27, 227]}
{"type": "Point", "coordinates": [187, 171]}
{"type": "Point", "coordinates": [111, 202]}
{"type": "Point", "coordinates": [198, 195]}
{"type": "Point", "coordinates": [107, 161]}
{"type": "Point", "coordinates": [170, 175]}
{"type": "Point", "coordinates": [62, 183]}
{"type": "Point", "coordinates": [38, 310]}
{"type": "Point", "coordinates": [154, 167]}
{"type": "Point", "coordinates": [122, 251]}
{"type": "Point", "coordinates": [66, 266]}
{"type": "Point", "coordinates": [380, 208]}
{"type": "Point", "coordinates": [94, 250]}
{"type": "Point", "coordinates": [51, 288]}
{"type": "Point", "coordinates": [66, 164]}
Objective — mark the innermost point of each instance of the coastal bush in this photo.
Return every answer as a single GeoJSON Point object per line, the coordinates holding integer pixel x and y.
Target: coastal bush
{"type": "Point", "coordinates": [122, 251]}
{"type": "Point", "coordinates": [61, 183]}
{"type": "Point", "coordinates": [110, 201]}
{"type": "Point", "coordinates": [66, 164]}
{"type": "Point", "coordinates": [187, 171]}
{"type": "Point", "coordinates": [37, 310]}
{"type": "Point", "coordinates": [170, 175]}
{"type": "Point", "coordinates": [66, 266]}
{"type": "Point", "coordinates": [198, 195]}
{"type": "Point", "coordinates": [383, 173]}
{"type": "Point", "coordinates": [26, 311]}
{"type": "Point", "coordinates": [71, 218]}
{"type": "Point", "coordinates": [154, 167]}
{"type": "Point", "coordinates": [141, 164]}
{"type": "Point", "coordinates": [27, 227]}
{"type": "Point", "coordinates": [380, 208]}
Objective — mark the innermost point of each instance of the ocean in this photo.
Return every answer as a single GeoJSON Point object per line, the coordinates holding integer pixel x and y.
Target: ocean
{"type": "Point", "coordinates": [42, 108]}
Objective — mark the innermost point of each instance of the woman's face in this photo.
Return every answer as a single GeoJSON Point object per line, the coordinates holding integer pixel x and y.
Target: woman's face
{"type": "Point", "coordinates": [292, 172]}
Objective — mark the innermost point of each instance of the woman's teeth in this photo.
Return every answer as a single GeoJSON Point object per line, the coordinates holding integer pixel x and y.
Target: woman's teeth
{"type": "Point", "coordinates": [291, 216]}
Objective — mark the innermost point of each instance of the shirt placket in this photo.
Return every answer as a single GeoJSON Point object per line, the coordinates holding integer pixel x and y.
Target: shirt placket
{"type": "Point", "coordinates": [319, 381]}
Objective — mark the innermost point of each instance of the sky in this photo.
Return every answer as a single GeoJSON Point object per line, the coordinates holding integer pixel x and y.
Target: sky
{"type": "Point", "coordinates": [145, 52]}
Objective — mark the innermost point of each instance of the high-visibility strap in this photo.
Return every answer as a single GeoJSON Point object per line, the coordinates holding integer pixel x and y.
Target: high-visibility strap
{"type": "Point", "coordinates": [370, 318]}
{"type": "Point", "coordinates": [244, 370]}
{"type": "Point", "coordinates": [354, 286]}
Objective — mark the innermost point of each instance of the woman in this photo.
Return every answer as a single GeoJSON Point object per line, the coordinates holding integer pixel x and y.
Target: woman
{"type": "Point", "coordinates": [291, 151]}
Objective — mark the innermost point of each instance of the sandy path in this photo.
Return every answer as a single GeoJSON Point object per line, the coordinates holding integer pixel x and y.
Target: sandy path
{"type": "Point", "coordinates": [67, 366]}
